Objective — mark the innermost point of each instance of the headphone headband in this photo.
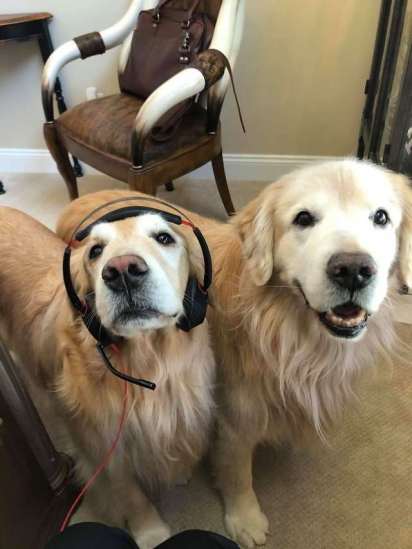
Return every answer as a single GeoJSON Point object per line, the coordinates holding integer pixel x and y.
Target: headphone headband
{"type": "Point", "coordinates": [124, 213]}
{"type": "Point", "coordinates": [128, 199]}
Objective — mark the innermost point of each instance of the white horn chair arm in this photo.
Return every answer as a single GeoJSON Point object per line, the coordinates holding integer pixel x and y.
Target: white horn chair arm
{"type": "Point", "coordinates": [84, 46]}
{"type": "Point", "coordinates": [203, 73]}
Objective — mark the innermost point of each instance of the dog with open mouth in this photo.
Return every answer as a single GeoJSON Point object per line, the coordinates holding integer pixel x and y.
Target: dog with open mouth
{"type": "Point", "coordinates": [305, 279]}
{"type": "Point", "coordinates": [354, 282]}
{"type": "Point", "coordinates": [137, 271]}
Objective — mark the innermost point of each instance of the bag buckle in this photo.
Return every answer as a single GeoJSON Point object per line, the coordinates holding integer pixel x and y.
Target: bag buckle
{"type": "Point", "coordinates": [185, 42]}
{"type": "Point", "coordinates": [186, 24]}
{"type": "Point", "coordinates": [156, 18]}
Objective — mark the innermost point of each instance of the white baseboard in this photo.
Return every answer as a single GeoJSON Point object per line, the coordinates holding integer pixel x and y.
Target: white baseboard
{"type": "Point", "coordinates": [239, 167]}
{"type": "Point", "coordinates": [26, 161]}
{"type": "Point", "coordinates": [258, 167]}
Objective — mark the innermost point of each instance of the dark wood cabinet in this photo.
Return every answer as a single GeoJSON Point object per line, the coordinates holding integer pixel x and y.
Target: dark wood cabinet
{"type": "Point", "coordinates": [34, 492]}
{"type": "Point", "coordinates": [386, 127]}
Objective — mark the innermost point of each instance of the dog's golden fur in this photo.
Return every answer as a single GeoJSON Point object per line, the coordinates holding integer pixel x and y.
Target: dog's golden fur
{"type": "Point", "coordinates": [165, 432]}
{"type": "Point", "coordinates": [281, 375]}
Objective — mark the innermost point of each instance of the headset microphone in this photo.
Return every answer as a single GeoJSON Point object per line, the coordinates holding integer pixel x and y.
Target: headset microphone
{"type": "Point", "coordinates": [196, 295]}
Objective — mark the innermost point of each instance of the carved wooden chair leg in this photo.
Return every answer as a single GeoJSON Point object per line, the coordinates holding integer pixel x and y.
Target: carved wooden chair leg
{"type": "Point", "coordinates": [169, 186]}
{"type": "Point", "coordinates": [62, 160]}
{"type": "Point", "coordinates": [137, 182]}
{"type": "Point", "coordinates": [221, 182]}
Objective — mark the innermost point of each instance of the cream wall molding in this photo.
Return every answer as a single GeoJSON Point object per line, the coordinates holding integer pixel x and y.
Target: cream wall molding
{"type": "Point", "coordinates": [239, 167]}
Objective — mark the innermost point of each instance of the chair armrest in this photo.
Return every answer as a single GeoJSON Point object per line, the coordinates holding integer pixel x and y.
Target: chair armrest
{"type": "Point", "coordinates": [85, 46]}
{"type": "Point", "coordinates": [200, 75]}
{"type": "Point", "coordinates": [226, 38]}
{"type": "Point", "coordinates": [212, 64]}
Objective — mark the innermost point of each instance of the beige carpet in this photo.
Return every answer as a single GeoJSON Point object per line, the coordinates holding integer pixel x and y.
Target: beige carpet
{"type": "Point", "coordinates": [44, 195]}
{"type": "Point", "coordinates": [355, 493]}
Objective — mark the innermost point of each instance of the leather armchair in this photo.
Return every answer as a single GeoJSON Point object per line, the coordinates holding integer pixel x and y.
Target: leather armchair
{"type": "Point", "coordinates": [112, 134]}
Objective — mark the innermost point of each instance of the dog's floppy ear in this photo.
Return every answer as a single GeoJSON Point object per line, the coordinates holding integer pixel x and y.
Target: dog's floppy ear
{"type": "Point", "coordinates": [255, 227]}
{"type": "Point", "coordinates": [79, 276]}
{"type": "Point", "coordinates": [405, 246]}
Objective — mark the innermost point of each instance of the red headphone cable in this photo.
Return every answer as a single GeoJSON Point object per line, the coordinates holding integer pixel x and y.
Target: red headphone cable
{"type": "Point", "coordinates": [111, 449]}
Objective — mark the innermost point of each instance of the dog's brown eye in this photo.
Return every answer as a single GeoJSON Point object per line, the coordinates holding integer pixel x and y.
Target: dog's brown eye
{"type": "Point", "coordinates": [304, 219]}
{"type": "Point", "coordinates": [380, 218]}
{"type": "Point", "coordinates": [95, 251]}
{"type": "Point", "coordinates": [165, 239]}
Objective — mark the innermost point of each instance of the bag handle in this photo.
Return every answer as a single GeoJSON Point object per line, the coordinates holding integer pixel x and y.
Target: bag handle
{"type": "Point", "coordinates": [168, 124]}
{"type": "Point", "coordinates": [226, 62]}
{"type": "Point", "coordinates": [190, 11]}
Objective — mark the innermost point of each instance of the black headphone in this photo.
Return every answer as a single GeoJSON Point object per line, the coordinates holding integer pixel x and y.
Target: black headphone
{"type": "Point", "coordinates": [195, 300]}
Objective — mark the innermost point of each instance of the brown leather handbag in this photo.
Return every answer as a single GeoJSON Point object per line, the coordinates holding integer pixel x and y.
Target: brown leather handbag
{"type": "Point", "coordinates": [164, 42]}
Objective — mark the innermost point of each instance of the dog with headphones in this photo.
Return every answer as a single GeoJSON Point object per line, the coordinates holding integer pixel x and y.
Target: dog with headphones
{"type": "Point", "coordinates": [128, 303]}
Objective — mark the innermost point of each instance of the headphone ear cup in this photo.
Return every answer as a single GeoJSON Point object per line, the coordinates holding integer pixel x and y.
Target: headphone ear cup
{"type": "Point", "coordinates": [194, 306]}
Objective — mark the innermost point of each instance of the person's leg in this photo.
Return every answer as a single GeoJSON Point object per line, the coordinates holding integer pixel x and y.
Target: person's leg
{"type": "Point", "coordinates": [199, 539]}
{"type": "Point", "coordinates": [92, 535]}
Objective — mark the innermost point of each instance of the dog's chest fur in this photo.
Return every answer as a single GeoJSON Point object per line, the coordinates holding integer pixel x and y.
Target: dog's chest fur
{"type": "Point", "coordinates": [287, 378]}
{"type": "Point", "coordinates": [165, 430]}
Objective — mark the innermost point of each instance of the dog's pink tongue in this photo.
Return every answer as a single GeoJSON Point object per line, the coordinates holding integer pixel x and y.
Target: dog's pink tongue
{"type": "Point", "coordinates": [347, 310]}
{"type": "Point", "coordinates": [347, 315]}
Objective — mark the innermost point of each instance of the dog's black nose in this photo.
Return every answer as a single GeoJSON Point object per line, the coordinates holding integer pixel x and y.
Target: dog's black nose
{"type": "Point", "coordinates": [124, 272]}
{"type": "Point", "coordinates": [352, 271]}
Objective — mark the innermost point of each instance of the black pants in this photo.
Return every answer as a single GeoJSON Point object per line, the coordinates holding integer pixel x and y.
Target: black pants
{"type": "Point", "coordinates": [93, 535]}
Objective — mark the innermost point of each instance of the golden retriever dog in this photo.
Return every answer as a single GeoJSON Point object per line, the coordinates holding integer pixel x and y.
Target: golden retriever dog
{"type": "Point", "coordinates": [303, 283]}
{"type": "Point", "coordinates": [165, 431]}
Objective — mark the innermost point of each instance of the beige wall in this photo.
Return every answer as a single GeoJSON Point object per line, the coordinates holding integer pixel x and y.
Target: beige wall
{"type": "Point", "coordinates": [300, 75]}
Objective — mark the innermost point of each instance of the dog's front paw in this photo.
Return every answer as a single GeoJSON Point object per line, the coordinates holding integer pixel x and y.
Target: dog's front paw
{"type": "Point", "coordinates": [248, 527]}
{"type": "Point", "coordinates": [150, 537]}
